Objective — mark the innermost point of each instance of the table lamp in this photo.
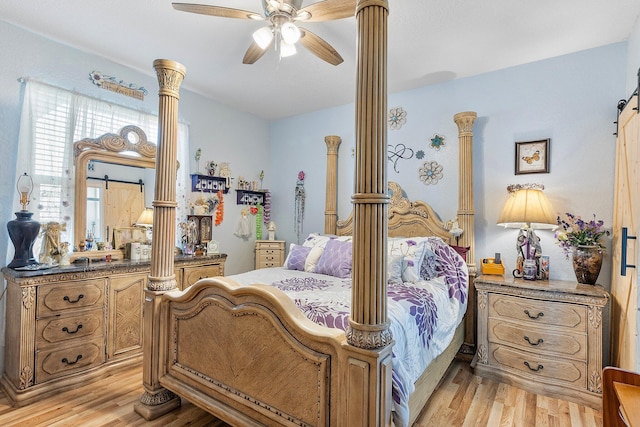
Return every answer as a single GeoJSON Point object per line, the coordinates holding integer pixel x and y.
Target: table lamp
{"type": "Point", "coordinates": [527, 208]}
{"type": "Point", "coordinates": [23, 230]}
{"type": "Point", "coordinates": [146, 220]}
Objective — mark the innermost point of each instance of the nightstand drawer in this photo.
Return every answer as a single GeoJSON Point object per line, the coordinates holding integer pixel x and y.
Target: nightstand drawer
{"type": "Point", "coordinates": [539, 368]}
{"type": "Point", "coordinates": [539, 340]}
{"type": "Point", "coordinates": [64, 328]}
{"type": "Point", "coordinates": [53, 300]}
{"type": "Point", "coordinates": [531, 311]}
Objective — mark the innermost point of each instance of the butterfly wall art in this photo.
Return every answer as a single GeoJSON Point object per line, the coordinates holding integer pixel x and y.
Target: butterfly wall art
{"type": "Point", "coordinates": [532, 157]}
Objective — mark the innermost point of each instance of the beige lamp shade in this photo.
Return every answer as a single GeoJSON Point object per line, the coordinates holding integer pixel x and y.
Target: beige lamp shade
{"type": "Point", "coordinates": [528, 207]}
{"type": "Point", "coordinates": [146, 217]}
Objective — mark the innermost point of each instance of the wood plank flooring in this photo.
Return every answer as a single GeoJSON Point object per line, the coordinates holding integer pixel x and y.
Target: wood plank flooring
{"type": "Point", "coordinates": [462, 399]}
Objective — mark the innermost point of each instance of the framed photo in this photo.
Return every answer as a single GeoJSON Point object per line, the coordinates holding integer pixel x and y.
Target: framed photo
{"type": "Point", "coordinates": [532, 157]}
{"type": "Point", "coordinates": [124, 235]}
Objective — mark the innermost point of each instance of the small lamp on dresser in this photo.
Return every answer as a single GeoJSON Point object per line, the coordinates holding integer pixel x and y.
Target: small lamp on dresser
{"type": "Point", "coordinates": [527, 208]}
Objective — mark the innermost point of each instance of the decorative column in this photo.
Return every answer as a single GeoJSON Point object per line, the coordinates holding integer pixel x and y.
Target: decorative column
{"type": "Point", "coordinates": [157, 400]}
{"type": "Point", "coordinates": [466, 214]}
{"type": "Point", "coordinates": [331, 202]}
{"type": "Point", "coordinates": [369, 376]}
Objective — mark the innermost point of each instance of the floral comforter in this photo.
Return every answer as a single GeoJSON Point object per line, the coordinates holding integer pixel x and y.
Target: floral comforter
{"type": "Point", "coordinates": [423, 315]}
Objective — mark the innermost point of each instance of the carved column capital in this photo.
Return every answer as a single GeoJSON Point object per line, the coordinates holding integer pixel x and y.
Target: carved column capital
{"type": "Point", "coordinates": [465, 121]}
{"type": "Point", "coordinates": [333, 143]}
{"type": "Point", "coordinates": [170, 76]}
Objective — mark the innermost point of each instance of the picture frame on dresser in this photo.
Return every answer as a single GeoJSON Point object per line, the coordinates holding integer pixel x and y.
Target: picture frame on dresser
{"type": "Point", "coordinates": [532, 157]}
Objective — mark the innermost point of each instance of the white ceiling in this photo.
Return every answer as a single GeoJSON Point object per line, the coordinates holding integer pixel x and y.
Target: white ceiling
{"type": "Point", "coordinates": [430, 41]}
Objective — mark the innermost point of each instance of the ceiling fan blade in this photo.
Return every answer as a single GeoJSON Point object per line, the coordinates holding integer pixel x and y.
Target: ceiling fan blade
{"type": "Point", "coordinates": [328, 10]}
{"type": "Point", "coordinates": [254, 53]}
{"type": "Point", "coordinates": [223, 12]}
{"type": "Point", "coordinates": [319, 47]}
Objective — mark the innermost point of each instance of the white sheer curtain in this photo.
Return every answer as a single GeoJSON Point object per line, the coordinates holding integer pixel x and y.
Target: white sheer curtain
{"type": "Point", "coordinates": [52, 119]}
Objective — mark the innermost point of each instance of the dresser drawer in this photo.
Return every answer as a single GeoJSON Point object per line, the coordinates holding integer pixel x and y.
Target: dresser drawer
{"type": "Point", "coordinates": [530, 311]}
{"type": "Point", "coordinates": [55, 299]}
{"type": "Point", "coordinates": [53, 330]}
{"type": "Point", "coordinates": [64, 361]}
{"type": "Point", "coordinates": [269, 244]}
{"type": "Point", "coordinates": [268, 264]}
{"type": "Point", "coordinates": [193, 274]}
{"type": "Point", "coordinates": [540, 340]}
{"type": "Point", "coordinates": [538, 368]}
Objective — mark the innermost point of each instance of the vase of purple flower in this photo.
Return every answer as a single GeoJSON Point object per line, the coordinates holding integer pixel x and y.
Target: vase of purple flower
{"type": "Point", "coordinates": [582, 241]}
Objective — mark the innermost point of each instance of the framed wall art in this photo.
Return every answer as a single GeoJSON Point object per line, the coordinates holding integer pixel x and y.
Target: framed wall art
{"type": "Point", "coordinates": [124, 235]}
{"type": "Point", "coordinates": [532, 157]}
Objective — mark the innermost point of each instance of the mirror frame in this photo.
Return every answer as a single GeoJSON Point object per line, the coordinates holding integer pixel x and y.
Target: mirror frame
{"type": "Point", "coordinates": [108, 148]}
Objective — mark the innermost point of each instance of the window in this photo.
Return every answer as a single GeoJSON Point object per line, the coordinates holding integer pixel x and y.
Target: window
{"type": "Point", "coordinates": [52, 120]}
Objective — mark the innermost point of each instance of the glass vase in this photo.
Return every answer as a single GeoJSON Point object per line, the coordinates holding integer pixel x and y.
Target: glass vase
{"type": "Point", "coordinates": [587, 261]}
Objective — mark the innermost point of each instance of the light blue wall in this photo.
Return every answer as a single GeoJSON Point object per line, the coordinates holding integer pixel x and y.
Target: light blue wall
{"type": "Point", "coordinates": [223, 134]}
{"type": "Point", "coordinates": [570, 99]}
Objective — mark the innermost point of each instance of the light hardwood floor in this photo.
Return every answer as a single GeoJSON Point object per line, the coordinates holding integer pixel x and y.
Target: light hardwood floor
{"type": "Point", "coordinates": [462, 399]}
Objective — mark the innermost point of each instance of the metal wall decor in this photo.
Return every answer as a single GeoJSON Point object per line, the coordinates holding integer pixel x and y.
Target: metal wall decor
{"type": "Point", "coordinates": [437, 141]}
{"type": "Point", "coordinates": [430, 173]}
{"type": "Point", "coordinates": [397, 152]}
{"type": "Point", "coordinates": [397, 117]}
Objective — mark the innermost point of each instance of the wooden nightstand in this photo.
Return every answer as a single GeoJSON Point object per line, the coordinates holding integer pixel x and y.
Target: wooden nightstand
{"type": "Point", "coordinates": [542, 336]}
{"type": "Point", "coordinates": [269, 253]}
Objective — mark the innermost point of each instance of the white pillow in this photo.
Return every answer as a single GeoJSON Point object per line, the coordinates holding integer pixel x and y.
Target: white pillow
{"type": "Point", "coordinates": [394, 268]}
{"type": "Point", "coordinates": [312, 259]}
{"type": "Point", "coordinates": [412, 249]}
{"type": "Point", "coordinates": [317, 239]}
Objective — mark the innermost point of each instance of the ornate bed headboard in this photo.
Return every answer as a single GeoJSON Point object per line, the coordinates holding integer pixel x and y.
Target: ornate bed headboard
{"type": "Point", "coordinates": [405, 218]}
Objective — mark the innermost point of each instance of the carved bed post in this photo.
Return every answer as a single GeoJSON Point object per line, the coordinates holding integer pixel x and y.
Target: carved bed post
{"type": "Point", "coordinates": [466, 214]}
{"type": "Point", "coordinates": [157, 400]}
{"type": "Point", "coordinates": [331, 201]}
{"type": "Point", "coordinates": [368, 324]}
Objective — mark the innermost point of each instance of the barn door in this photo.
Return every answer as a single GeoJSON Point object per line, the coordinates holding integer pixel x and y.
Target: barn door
{"type": "Point", "coordinates": [123, 204]}
{"type": "Point", "coordinates": [626, 250]}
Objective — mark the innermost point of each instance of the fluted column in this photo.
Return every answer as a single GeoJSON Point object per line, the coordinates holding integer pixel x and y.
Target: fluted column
{"type": "Point", "coordinates": [466, 214]}
{"type": "Point", "coordinates": [331, 202]}
{"type": "Point", "coordinates": [368, 325]}
{"type": "Point", "coordinates": [162, 277]}
{"type": "Point", "coordinates": [156, 400]}
{"type": "Point", "coordinates": [466, 210]}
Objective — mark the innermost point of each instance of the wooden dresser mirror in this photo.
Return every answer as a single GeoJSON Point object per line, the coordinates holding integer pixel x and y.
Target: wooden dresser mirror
{"type": "Point", "coordinates": [120, 152]}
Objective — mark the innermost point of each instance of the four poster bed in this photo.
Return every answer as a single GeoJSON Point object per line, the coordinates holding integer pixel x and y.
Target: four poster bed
{"type": "Point", "coordinates": [243, 349]}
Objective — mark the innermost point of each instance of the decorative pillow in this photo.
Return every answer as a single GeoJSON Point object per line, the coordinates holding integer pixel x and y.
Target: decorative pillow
{"type": "Point", "coordinates": [312, 259]}
{"type": "Point", "coordinates": [462, 251]}
{"type": "Point", "coordinates": [394, 268]}
{"type": "Point", "coordinates": [429, 267]}
{"type": "Point", "coordinates": [297, 257]}
{"type": "Point", "coordinates": [412, 249]}
{"type": "Point", "coordinates": [335, 259]}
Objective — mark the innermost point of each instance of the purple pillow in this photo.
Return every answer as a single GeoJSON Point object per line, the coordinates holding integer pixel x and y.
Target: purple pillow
{"type": "Point", "coordinates": [297, 257]}
{"type": "Point", "coordinates": [335, 260]}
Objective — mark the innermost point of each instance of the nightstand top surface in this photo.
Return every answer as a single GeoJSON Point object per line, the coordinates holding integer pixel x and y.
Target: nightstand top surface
{"type": "Point", "coordinates": [562, 286]}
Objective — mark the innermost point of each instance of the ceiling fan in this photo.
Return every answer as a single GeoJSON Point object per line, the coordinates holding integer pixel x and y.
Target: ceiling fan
{"type": "Point", "coordinates": [282, 29]}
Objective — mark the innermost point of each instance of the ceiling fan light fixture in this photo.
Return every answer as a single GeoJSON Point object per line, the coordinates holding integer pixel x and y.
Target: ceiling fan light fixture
{"type": "Point", "coordinates": [287, 49]}
{"type": "Point", "coordinates": [290, 33]}
{"type": "Point", "coordinates": [263, 37]}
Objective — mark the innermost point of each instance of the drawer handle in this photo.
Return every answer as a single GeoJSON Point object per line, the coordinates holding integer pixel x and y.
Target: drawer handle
{"type": "Point", "coordinates": [533, 369]}
{"type": "Point", "coordinates": [65, 329]}
{"type": "Point", "coordinates": [78, 357]}
{"type": "Point", "coordinates": [67, 299]}
{"type": "Point", "coordinates": [540, 341]}
{"type": "Point", "coordinates": [533, 317]}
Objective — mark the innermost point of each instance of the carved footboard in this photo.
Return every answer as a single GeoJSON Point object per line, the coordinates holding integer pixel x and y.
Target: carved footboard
{"type": "Point", "coordinates": [250, 357]}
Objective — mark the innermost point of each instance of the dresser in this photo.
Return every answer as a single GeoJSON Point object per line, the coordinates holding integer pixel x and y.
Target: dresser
{"type": "Point", "coordinates": [69, 325]}
{"type": "Point", "coordinates": [542, 336]}
{"type": "Point", "coordinates": [269, 253]}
